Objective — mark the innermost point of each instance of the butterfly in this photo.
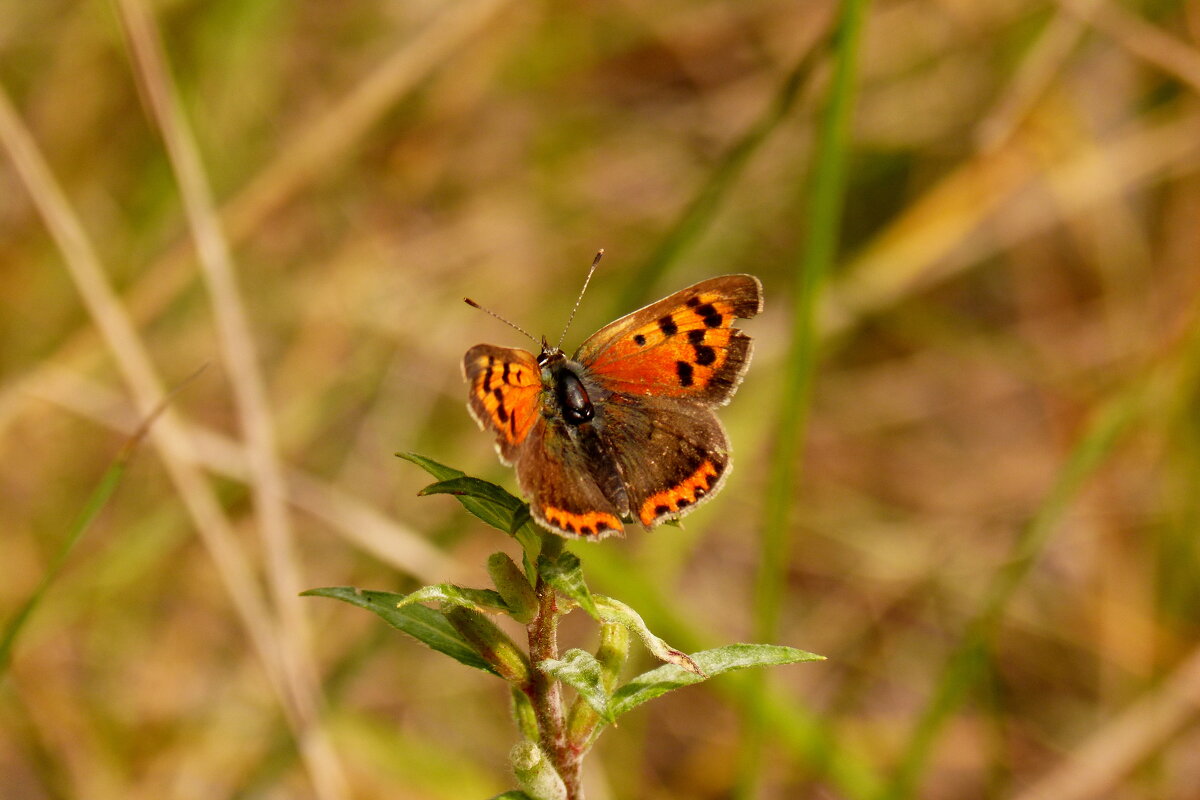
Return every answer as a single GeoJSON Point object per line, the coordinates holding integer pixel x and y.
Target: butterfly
{"type": "Point", "coordinates": [625, 430]}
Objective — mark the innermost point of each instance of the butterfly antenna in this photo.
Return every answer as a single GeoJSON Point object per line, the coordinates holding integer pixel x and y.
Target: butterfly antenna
{"type": "Point", "coordinates": [578, 300]}
{"type": "Point", "coordinates": [512, 325]}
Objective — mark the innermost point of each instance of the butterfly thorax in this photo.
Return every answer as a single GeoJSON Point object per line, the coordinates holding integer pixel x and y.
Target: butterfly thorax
{"type": "Point", "coordinates": [562, 376]}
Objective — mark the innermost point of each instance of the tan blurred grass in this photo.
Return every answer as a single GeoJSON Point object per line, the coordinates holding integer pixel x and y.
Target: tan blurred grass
{"type": "Point", "coordinates": [380, 161]}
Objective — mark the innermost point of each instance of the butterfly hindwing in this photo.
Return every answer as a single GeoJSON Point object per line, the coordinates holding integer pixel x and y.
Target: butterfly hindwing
{"type": "Point", "coordinates": [682, 346]}
{"type": "Point", "coordinates": [505, 393]}
{"type": "Point", "coordinates": [556, 478]}
{"type": "Point", "coordinates": [671, 457]}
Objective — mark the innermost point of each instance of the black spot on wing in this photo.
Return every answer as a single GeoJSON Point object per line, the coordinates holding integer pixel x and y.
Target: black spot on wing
{"type": "Point", "coordinates": [705, 355]}
{"type": "Point", "coordinates": [684, 370]}
{"type": "Point", "coordinates": [692, 302]}
{"type": "Point", "coordinates": [639, 339]}
{"type": "Point", "coordinates": [667, 326]}
{"type": "Point", "coordinates": [712, 318]}
{"type": "Point", "coordinates": [696, 336]}
{"type": "Point", "coordinates": [487, 375]}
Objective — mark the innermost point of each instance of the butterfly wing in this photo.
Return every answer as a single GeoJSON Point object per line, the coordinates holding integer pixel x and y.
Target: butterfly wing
{"type": "Point", "coordinates": [555, 476]}
{"type": "Point", "coordinates": [683, 346]}
{"type": "Point", "coordinates": [666, 366]}
{"type": "Point", "coordinates": [554, 469]}
{"type": "Point", "coordinates": [504, 395]}
{"type": "Point", "coordinates": [672, 456]}
{"type": "Point", "coordinates": [654, 375]}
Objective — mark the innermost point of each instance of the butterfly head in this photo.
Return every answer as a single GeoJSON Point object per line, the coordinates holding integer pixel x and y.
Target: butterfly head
{"type": "Point", "coordinates": [558, 372]}
{"type": "Point", "coordinates": [550, 356]}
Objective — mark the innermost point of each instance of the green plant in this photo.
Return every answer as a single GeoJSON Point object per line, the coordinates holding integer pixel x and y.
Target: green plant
{"type": "Point", "coordinates": [556, 734]}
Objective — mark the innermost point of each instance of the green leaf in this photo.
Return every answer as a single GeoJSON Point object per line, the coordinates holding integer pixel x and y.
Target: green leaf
{"type": "Point", "coordinates": [590, 711]}
{"type": "Point", "coordinates": [439, 471]}
{"type": "Point", "coordinates": [656, 682]}
{"type": "Point", "coordinates": [521, 518]}
{"type": "Point", "coordinates": [513, 795]}
{"type": "Point", "coordinates": [565, 574]}
{"type": "Point", "coordinates": [426, 625]}
{"type": "Point", "coordinates": [582, 672]}
{"type": "Point", "coordinates": [484, 600]}
{"type": "Point", "coordinates": [531, 538]}
{"type": "Point", "coordinates": [487, 501]}
{"type": "Point", "coordinates": [616, 611]}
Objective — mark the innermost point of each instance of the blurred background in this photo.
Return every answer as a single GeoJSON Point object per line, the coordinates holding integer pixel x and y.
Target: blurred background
{"type": "Point", "coordinates": [993, 514]}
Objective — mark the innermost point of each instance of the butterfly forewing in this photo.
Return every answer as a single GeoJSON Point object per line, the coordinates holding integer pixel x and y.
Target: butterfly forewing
{"type": "Point", "coordinates": [504, 394]}
{"type": "Point", "coordinates": [681, 346]}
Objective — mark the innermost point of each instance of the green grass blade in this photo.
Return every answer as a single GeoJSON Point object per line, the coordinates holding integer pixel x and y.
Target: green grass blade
{"type": "Point", "coordinates": [95, 504]}
{"type": "Point", "coordinates": [826, 194]}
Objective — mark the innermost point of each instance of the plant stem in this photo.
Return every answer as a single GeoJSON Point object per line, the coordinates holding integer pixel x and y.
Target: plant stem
{"type": "Point", "coordinates": [546, 694]}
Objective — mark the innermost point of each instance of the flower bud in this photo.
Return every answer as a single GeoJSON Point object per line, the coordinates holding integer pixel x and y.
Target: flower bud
{"type": "Point", "coordinates": [535, 774]}
{"type": "Point", "coordinates": [513, 586]}
{"type": "Point", "coordinates": [490, 642]}
{"type": "Point", "coordinates": [612, 653]}
{"type": "Point", "coordinates": [524, 714]}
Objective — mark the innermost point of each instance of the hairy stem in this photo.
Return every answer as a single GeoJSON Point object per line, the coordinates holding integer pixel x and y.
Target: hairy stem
{"type": "Point", "coordinates": [546, 694]}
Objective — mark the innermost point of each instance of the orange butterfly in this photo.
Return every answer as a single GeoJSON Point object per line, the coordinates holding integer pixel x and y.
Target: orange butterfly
{"type": "Point", "coordinates": [626, 428]}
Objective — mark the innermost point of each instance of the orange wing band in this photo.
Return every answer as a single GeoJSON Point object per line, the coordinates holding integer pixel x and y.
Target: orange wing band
{"type": "Point", "coordinates": [670, 501]}
{"type": "Point", "coordinates": [588, 525]}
